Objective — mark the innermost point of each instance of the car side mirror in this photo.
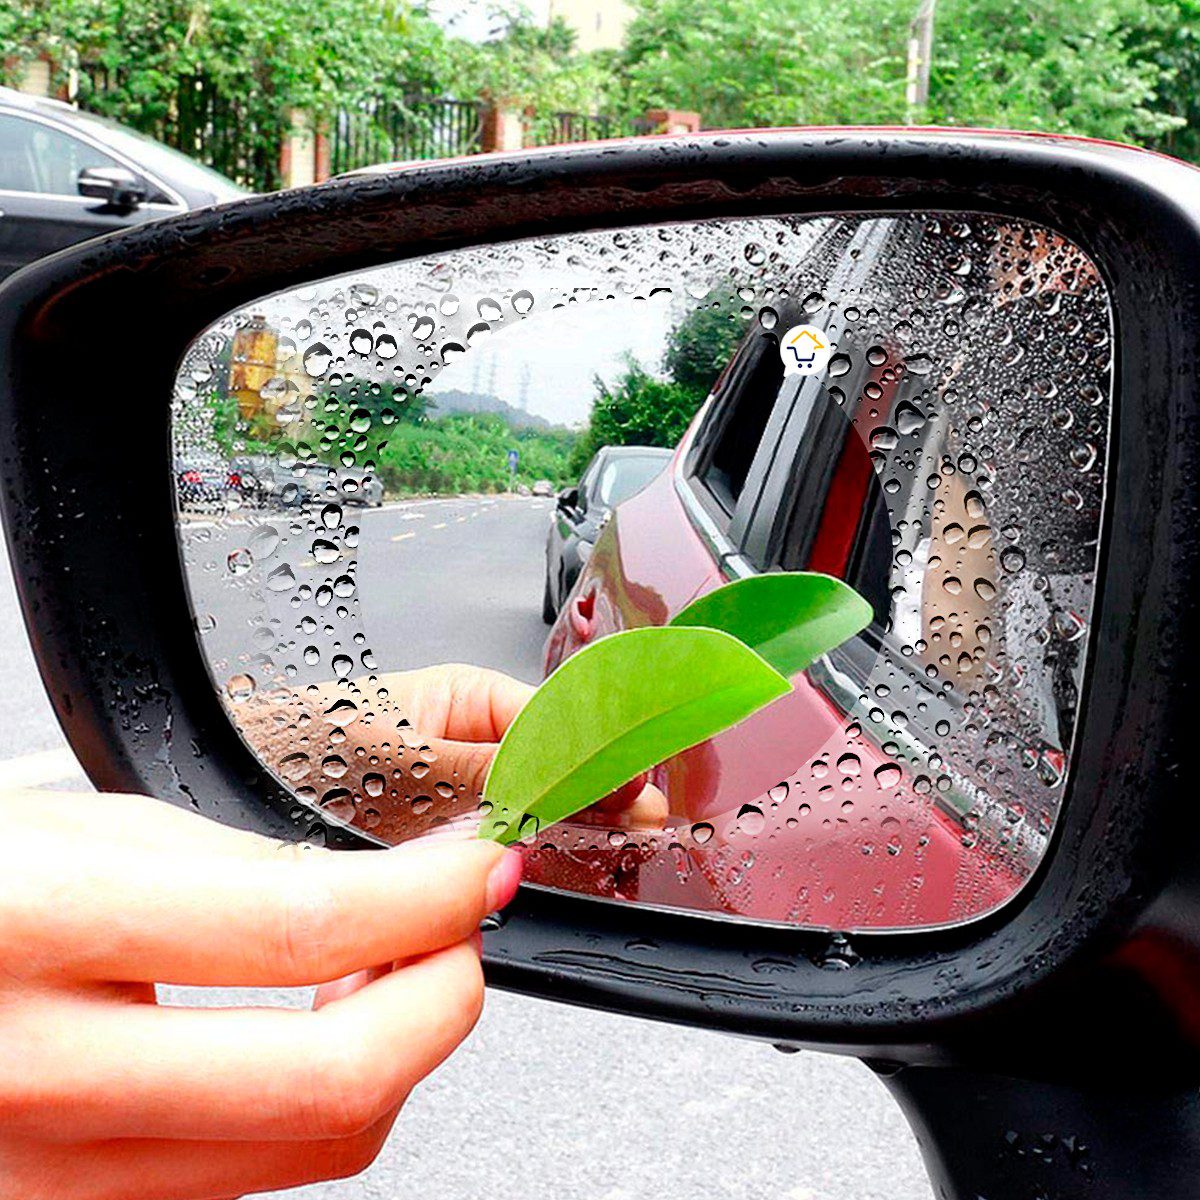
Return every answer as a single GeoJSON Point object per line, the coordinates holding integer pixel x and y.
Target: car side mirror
{"type": "Point", "coordinates": [961, 846]}
{"type": "Point", "coordinates": [568, 499]}
{"type": "Point", "coordinates": [117, 187]}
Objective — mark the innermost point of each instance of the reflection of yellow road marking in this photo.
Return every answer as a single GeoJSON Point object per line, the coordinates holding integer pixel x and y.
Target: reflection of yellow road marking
{"type": "Point", "coordinates": [440, 525]}
{"type": "Point", "coordinates": [459, 520]}
{"type": "Point", "coordinates": [402, 536]}
{"type": "Point", "coordinates": [413, 517]}
{"type": "Point", "coordinates": [308, 562]}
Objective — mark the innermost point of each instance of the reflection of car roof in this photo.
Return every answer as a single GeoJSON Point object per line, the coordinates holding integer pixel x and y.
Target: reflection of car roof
{"type": "Point", "coordinates": [634, 452]}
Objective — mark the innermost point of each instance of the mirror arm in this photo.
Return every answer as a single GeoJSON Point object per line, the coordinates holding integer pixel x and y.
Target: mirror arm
{"type": "Point", "coordinates": [1013, 1139]}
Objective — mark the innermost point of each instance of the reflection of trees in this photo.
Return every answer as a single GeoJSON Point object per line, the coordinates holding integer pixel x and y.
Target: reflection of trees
{"type": "Point", "coordinates": [638, 409]}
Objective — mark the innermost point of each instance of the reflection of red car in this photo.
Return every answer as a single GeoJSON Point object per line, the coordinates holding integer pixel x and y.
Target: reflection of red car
{"type": "Point", "coordinates": [805, 813]}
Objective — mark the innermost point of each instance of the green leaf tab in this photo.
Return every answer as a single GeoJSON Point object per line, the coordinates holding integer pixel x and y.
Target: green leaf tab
{"type": "Point", "coordinates": [614, 709]}
{"type": "Point", "coordinates": [790, 618]}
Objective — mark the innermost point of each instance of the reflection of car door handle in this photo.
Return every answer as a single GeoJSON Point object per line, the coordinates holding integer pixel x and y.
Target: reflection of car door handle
{"type": "Point", "coordinates": [581, 613]}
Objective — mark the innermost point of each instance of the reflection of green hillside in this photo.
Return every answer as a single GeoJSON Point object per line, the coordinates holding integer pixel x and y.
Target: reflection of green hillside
{"type": "Point", "coordinates": [457, 401]}
{"type": "Point", "coordinates": [468, 452]}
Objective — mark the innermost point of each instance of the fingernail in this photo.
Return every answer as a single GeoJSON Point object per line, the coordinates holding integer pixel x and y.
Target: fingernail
{"type": "Point", "coordinates": [503, 880]}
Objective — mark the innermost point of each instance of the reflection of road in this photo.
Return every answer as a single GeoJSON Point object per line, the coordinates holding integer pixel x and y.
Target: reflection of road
{"type": "Point", "coordinates": [456, 581]}
{"type": "Point", "coordinates": [453, 580]}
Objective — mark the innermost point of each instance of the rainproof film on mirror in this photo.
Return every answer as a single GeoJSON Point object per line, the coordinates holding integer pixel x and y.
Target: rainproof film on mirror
{"type": "Point", "coordinates": [394, 482]}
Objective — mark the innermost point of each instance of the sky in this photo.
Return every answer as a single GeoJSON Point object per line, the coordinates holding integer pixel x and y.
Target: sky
{"type": "Point", "coordinates": [471, 18]}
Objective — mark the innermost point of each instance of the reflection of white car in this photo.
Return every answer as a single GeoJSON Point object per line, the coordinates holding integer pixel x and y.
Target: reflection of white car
{"type": "Point", "coordinates": [543, 487]}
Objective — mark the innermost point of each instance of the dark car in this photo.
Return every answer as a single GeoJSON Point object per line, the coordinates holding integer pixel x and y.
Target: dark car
{"type": "Point", "coordinates": [67, 175]}
{"type": "Point", "coordinates": [613, 475]}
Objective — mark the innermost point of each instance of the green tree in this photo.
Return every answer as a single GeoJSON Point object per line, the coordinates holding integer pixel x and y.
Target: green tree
{"type": "Point", "coordinates": [635, 410]}
{"type": "Point", "coordinates": [1067, 66]}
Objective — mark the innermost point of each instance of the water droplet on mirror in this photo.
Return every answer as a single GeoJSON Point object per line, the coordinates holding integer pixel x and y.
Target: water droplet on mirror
{"type": "Point", "coordinates": [918, 364]}
{"type": "Point", "coordinates": [750, 820]}
{"type": "Point", "coordinates": [360, 420]}
{"type": "Point", "coordinates": [702, 832]}
{"type": "Point", "coordinates": [909, 418]}
{"type": "Point", "coordinates": [239, 688]}
{"type": "Point", "coordinates": [779, 793]}
{"type": "Point", "coordinates": [281, 579]}
{"type": "Point", "coordinates": [373, 784]}
{"type": "Point", "coordinates": [888, 776]}
{"type": "Point", "coordinates": [239, 561]}
{"type": "Point", "coordinates": [423, 328]}
{"type": "Point", "coordinates": [419, 769]}
{"type": "Point", "coordinates": [985, 589]}
{"type": "Point", "coordinates": [325, 551]}
{"type": "Point", "coordinates": [361, 342]}
{"type": "Point", "coordinates": [331, 516]}
{"type": "Point", "coordinates": [522, 301]}
{"type": "Point", "coordinates": [768, 318]}
{"type": "Point", "coordinates": [1012, 559]}
{"type": "Point", "coordinates": [876, 356]}
{"type": "Point", "coordinates": [334, 766]}
{"type": "Point", "coordinates": [338, 803]}
{"type": "Point", "coordinates": [342, 665]}
{"type": "Point", "coordinates": [839, 364]}
{"type": "Point", "coordinates": [317, 359]}
{"type": "Point", "coordinates": [294, 766]}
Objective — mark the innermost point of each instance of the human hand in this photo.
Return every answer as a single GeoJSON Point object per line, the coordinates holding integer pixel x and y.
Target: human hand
{"type": "Point", "coordinates": [427, 737]}
{"type": "Point", "coordinates": [106, 1095]}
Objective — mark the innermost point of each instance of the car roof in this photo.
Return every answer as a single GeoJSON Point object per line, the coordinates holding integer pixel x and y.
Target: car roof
{"type": "Point", "coordinates": [194, 182]}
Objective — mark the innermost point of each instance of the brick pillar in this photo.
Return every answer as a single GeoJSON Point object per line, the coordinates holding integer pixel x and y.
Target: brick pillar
{"type": "Point", "coordinates": [501, 129]}
{"type": "Point", "coordinates": [36, 77]}
{"type": "Point", "coordinates": [304, 153]}
{"type": "Point", "coordinates": [672, 120]}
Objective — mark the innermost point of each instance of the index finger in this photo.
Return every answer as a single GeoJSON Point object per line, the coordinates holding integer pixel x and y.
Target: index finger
{"type": "Point", "coordinates": [240, 910]}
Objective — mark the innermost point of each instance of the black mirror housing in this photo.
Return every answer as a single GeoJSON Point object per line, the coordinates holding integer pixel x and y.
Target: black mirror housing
{"type": "Point", "coordinates": [568, 499]}
{"type": "Point", "coordinates": [118, 187]}
{"type": "Point", "coordinates": [1099, 935]}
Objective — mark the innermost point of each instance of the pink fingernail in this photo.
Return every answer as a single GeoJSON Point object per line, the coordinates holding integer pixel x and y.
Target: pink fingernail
{"type": "Point", "coordinates": [503, 880]}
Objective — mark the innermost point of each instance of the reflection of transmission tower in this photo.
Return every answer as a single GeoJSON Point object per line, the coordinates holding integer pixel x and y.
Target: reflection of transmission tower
{"type": "Point", "coordinates": [523, 398]}
{"type": "Point", "coordinates": [492, 376]}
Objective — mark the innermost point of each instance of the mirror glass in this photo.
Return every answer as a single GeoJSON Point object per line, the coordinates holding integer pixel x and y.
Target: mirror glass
{"type": "Point", "coordinates": [489, 458]}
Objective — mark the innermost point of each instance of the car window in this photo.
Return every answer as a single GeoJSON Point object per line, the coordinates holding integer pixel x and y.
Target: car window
{"type": "Point", "coordinates": [739, 421]}
{"type": "Point", "coordinates": [40, 158]}
{"type": "Point", "coordinates": [625, 477]}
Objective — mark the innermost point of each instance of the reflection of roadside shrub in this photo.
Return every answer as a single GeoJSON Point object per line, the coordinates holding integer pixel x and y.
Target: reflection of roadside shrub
{"type": "Point", "coordinates": [637, 410]}
{"type": "Point", "coordinates": [469, 453]}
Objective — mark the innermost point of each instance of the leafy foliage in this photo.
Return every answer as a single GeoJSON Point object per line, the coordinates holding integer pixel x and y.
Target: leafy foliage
{"type": "Point", "coordinates": [1106, 68]}
{"type": "Point", "coordinates": [469, 453]}
{"type": "Point", "coordinates": [637, 410]}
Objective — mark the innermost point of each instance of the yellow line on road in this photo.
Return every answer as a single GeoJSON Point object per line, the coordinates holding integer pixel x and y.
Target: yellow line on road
{"type": "Point", "coordinates": [400, 537]}
{"type": "Point", "coordinates": [440, 525]}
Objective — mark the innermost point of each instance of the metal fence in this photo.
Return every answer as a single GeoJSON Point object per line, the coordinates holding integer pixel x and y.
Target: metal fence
{"type": "Point", "coordinates": [209, 124]}
{"type": "Point", "coordinates": [557, 129]}
{"type": "Point", "coordinates": [418, 127]}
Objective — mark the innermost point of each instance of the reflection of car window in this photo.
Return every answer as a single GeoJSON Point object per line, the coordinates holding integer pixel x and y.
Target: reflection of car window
{"type": "Point", "coordinates": [624, 477]}
{"type": "Point", "coordinates": [37, 158]}
{"type": "Point", "coordinates": [740, 420]}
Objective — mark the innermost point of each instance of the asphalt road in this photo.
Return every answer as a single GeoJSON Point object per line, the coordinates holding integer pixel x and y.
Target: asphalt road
{"type": "Point", "coordinates": [548, 1102]}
